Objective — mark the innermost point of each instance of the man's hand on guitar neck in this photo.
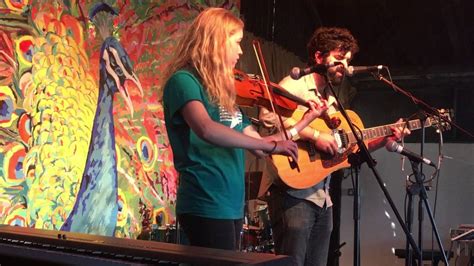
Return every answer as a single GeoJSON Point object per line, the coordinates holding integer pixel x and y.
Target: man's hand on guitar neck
{"type": "Point", "coordinates": [398, 134]}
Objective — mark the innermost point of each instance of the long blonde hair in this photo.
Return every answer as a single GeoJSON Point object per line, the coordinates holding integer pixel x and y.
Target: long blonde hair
{"type": "Point", "coordinates": [203, 46]}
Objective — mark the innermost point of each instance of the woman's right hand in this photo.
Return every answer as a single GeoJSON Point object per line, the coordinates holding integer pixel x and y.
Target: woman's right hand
{"type": "Point", "coordinates": [288, 148]}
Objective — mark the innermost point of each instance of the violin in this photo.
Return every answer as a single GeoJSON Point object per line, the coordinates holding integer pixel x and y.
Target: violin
{"type": "Point", "coordinates": [250, 91]}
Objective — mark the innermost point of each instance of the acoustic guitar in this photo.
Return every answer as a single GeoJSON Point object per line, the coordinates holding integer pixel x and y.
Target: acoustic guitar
{"type": "Point", "coordinates": [314, 166]}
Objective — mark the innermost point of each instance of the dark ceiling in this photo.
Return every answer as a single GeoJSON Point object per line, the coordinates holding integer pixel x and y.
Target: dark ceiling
{"type": "Point", "coordinates": [397, 33]}
{"type": "Point", "coordinates": [427, 44]}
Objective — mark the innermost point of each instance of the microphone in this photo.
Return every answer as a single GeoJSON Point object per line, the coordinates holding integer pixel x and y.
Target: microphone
{"type": "Point", "coordinates": [393, 146]}
{"type": "Point", "coordinates": [296, 73]}
{"type": "Point", "coordinates": [353, 70]}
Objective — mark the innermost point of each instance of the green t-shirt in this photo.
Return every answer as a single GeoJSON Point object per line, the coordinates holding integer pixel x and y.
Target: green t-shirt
{"type": "Point", "coordinates": [211, 177]}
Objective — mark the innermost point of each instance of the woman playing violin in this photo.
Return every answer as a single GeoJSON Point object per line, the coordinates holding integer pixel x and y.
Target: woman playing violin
{"type": "Point", "coordinates": [208, 133]}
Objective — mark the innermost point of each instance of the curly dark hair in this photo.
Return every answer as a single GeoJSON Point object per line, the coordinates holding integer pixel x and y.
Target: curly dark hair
{"type": "Point", "coordinates": [326, 39]}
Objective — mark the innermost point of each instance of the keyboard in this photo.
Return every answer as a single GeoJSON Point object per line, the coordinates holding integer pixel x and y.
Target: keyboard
{"type": "Point", "coordinates": [21, 244]}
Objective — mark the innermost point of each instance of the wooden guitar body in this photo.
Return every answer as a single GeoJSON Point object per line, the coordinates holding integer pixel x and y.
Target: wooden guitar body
{"type": "Point", "coordinates": [315, 166]}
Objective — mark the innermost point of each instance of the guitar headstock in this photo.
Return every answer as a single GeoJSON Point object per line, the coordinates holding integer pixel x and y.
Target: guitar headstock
{"type": "Point", "coordinates": [442, 122]}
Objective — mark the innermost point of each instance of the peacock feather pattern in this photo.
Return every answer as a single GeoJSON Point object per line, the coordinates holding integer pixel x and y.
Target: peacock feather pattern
{"type": "Point", "coordinates": [54, 111]}
{"type": "Point", "coordinates": [61, 101]}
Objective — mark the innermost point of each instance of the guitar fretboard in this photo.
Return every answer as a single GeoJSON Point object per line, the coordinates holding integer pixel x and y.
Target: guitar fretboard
{"type": "Point", "coordinates": [382, 131]}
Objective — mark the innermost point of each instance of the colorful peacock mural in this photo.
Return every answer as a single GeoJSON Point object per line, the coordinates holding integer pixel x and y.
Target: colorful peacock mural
{"type": "Point", "coordinates": [73, 156]}
{"type": "Point", "coordinates": [95, 210]}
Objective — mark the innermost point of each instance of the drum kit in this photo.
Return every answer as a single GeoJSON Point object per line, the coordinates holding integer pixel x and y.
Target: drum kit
{"type": "Point", "coordinates": [168, 233]}
{"type": "Point", "coordinates": [256, 235]}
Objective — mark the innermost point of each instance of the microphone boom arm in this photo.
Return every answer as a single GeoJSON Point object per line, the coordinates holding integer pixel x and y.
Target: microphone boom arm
{"type": "Point", "coordinates": [421, 104]}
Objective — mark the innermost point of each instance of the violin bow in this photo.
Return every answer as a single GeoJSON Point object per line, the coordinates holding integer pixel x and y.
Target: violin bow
{"type": "Point", "coordinates": [266, 81]}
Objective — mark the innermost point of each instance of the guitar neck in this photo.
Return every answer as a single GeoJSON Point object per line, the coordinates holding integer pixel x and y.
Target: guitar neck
{"type": "Point", "coordinates": [385, 130]}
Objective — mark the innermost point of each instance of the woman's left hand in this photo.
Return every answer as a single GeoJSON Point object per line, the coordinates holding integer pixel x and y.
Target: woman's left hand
{"type": "Point", "coordinates": [315, 110]}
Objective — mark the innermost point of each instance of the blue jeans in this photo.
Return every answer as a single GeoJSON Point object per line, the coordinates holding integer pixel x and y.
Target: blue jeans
{"type": "Point", "coordinates": [301, 229]}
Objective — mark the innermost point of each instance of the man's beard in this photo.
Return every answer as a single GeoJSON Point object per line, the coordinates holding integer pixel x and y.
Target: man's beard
{"type": "Point", "coordinates": [335, 74]}
{"type": "Point", "coordinates": [335, 77]}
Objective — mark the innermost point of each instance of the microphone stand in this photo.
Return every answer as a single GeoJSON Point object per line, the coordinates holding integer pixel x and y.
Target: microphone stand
{"type": "Point", "coordinates": [411, 190]}
{"type": "Point", "coordinates": [355, 162]}
{"type": "Point", "coordinates": [419, 188]}
{"type": "Point", "coordinates": [364, 156]}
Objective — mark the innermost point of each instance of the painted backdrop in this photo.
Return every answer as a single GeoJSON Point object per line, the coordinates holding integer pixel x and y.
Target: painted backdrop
{"type": "Point", "coordinates": [83, 145]}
